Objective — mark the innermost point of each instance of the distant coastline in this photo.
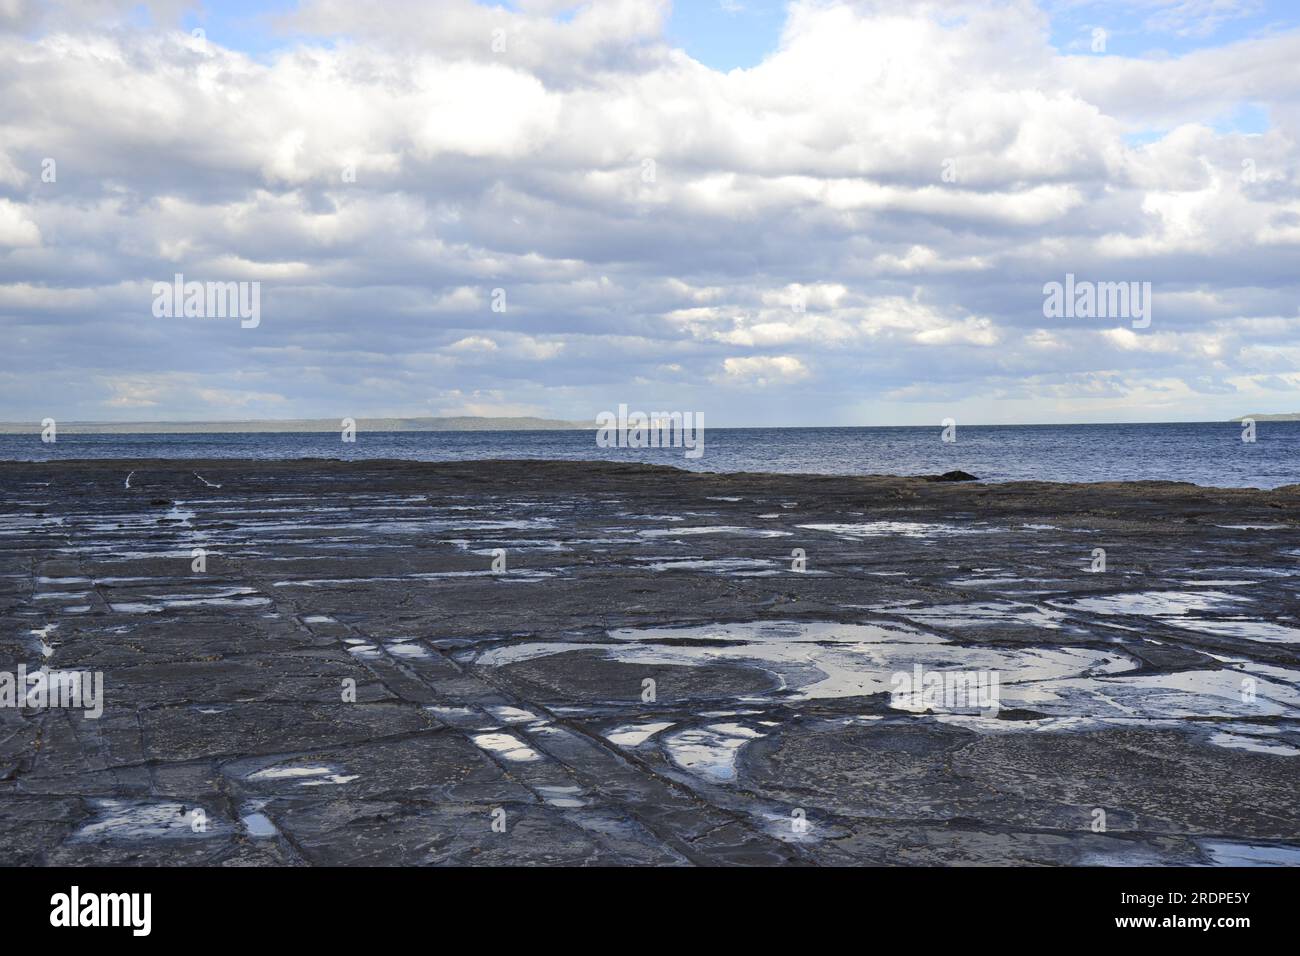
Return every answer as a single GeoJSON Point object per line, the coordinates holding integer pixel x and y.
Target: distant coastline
{"type": "Point", "coordinates": [1279, 417]}
{"type": "Point", "coordinates": [461, 423]}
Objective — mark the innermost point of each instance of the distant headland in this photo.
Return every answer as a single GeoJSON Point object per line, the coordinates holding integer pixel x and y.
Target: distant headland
{"type": "Point", "coordinates": [460, 423]}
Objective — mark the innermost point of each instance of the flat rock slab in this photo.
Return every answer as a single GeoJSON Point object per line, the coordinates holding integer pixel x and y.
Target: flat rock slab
{"type": "Point", "coordinates": [590, 677]}
{"type": "Point", "coordinates": [524, 662]}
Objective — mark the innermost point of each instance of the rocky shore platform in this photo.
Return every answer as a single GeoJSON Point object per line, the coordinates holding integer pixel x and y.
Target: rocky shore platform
{"type": "Point", "coordinates": [527, 662]}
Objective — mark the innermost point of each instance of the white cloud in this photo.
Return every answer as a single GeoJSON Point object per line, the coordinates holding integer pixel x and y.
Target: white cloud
{"type": "Point", "coordinates": [763, 370]}
{"type": "Point", "coordinates": [16, 229]}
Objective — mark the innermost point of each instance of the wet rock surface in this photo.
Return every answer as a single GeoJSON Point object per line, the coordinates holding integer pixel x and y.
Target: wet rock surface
{"type": "Point", "coordinates": [530, 662]}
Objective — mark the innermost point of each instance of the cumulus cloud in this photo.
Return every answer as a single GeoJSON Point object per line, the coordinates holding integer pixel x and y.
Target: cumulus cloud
{"type": "Point", "coordinates": [764, 369]}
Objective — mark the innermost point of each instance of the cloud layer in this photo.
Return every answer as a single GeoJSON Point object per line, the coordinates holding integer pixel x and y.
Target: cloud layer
{"type": "Point", "coordinates": [460, 209]}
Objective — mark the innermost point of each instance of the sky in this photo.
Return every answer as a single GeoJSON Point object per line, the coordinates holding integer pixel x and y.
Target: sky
{"type": "Point", "coordinates": [802, 213]}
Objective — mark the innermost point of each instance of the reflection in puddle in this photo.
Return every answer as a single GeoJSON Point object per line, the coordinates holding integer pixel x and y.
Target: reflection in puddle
{"type": "Point", "coordinates": [512, 715]}
{"type": "Point", "coordinates": [821, 660]}
{"type": "Point", "coordinates": [407, 650]}
{"type": "Point", "coordinates": [1177, 607]}
{"type": "Point", "coordinates": [226, 598]}
{"type": "Point", "coordinates": [562, 797]}
{"type": "Point", "coordinates": [306, 776]}
{"type": "Point", "coordinates": [1074, 688]}
{"type": "Point", "coordinates": [791, 827]}
{"type": "Point", "coordinates": [259, 825]}
{"type": "Point", "coordinates": [514, 574]}
{"type": "Point", "coordinates": [901, 529]}
{"type": "Point", "coordinates": [710, 751]}
{"type": "Point", "coordinates": [126, 819]}
{"type": "Point", "coordinates": [828, 631]}
{"type": "Point", "coordinates": [507, 746]}
{"type": "Point", "coordinates": [1227, 853]}
{"type": "Point", "coordinates": [1254, 744]}
{"type": "Point", "coordinates": [714, 529]}
{"type": "Point", "coordinates": [634, 735]}
{"type": "Point", "coordinates": [1154, 603]}
{"type": "Point", "coordinates": [1181, 695]}
{"type": "Point", "coordinates": [1254, 527]}
{"type": "Point", "coordinates": [984, 613]}
{"type": "Point", "coordinates": [721, 565]}
{"type": "Point", "coordinates": [1245, 628]}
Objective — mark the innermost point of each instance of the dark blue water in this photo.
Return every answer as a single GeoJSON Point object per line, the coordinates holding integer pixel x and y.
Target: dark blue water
{"type": "Point", "coordinates": [1207, 453]}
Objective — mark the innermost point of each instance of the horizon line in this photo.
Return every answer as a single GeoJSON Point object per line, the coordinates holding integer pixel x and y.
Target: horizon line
{"type": "Point", "coordinates": [561, 424]}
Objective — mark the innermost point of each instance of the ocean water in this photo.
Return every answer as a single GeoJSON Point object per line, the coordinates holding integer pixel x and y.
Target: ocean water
{"type": "Point", "coordinates": [1206, 453]}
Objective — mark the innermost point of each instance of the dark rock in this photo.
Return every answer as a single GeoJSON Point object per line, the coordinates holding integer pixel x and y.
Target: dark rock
{"type": "Point", "coordinates": [952, 476]}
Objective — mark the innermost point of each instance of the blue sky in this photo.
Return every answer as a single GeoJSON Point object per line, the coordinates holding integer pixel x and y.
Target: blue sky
{"type": "Point", "coordinates": [723, 35]}
{"type": "Point", "coordinates": [731, 34]}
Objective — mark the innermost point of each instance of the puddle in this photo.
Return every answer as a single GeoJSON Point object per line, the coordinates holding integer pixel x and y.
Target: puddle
{"type": "Point", "coordinates": [781, 631]}
{"type": "Point", "coordinates": [42, 635]}
{"type": "Point", "coordinates": [126, 819]}
{"type": "Point", "coordinates": [634, 735]}
{"type": "Point", "coordinates": [1153, 603]}
{"type": "Point", "coordinates": [1249, 630]}
{"type": "Point", "coordinates": [329, 780]}
{"type": "Point", "coordinates": [141, 607]}
{"type": "Point", "coordinates": [900, 529]}
{"type": "Point", "coordinates": [565, 798]}
{"type": "Point", "coordinates": [287, 773]}
{"type": "Point", "coordinates": [1182, 695]}
{"type": "Point", "coordinates": [824, 660]}
{"type": "Point", "coordinates": [179, 515]}
{"type": "Point", "coordinates": [709, 752]}
{"type": "Point", "coordinates": [719, 565]}
{"type": "Point", "coordinates": [512, 715]}
{"type": "Point", "coordinates": [454, 712]}
{"type": "Point", "coordinates": [512, 574]}
{"type": "Point", "coordinates": [259, 825]}
{"type": "Point", "coordinates": [714, 529]}
{"type": "Point", "coordinates": [407, 651]}
{"type": "Point", "coordinates": [507, 746]}
{"type": "Point", "coordinates": [820, 660]}
{"type": "Point", "coordinates": [306, 776]}
{"type": "Point", "coordinates": [1176, 608]}
{"type": "Point", "coordinates": [983, 613]}
{"type": "Point", "coordinates": [1254, 744]}
{"type": "Point", "coordinates": [1227, 853]}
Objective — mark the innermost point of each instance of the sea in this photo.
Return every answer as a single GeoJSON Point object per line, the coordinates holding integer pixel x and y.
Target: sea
{"type": "Point", "coordinates": [1205, 453]}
